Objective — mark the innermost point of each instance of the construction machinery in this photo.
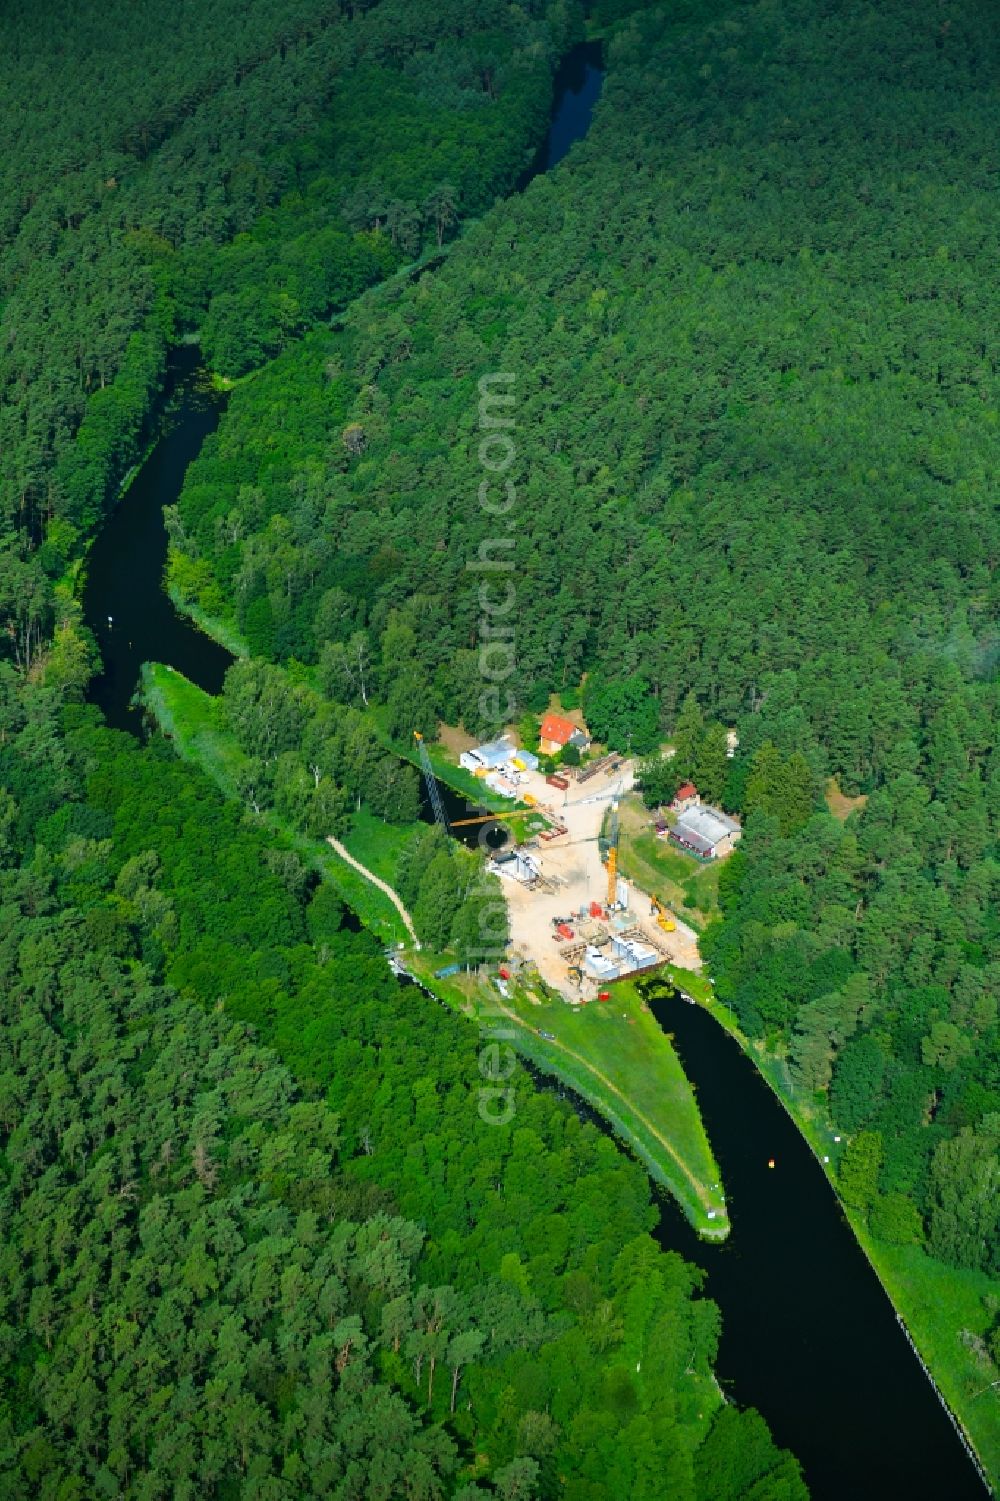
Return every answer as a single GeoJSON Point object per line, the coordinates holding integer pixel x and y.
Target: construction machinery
{"type": "Point", "coordinates": [613, 858]}
{"type": "Point", "coordinates": [430, 782]}
{"type": "Point", "coordinates": [464, 823]}
{"type": "Point", "coordinates": [607, 843]}
{"type": "Point", "coordinates": [663, 918]}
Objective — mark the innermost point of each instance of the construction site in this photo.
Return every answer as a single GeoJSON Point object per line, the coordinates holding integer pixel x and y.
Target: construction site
{"type": "Point", "coordinates": [573, 916]}
{"type": "Point", "coordinates": [578, 933]}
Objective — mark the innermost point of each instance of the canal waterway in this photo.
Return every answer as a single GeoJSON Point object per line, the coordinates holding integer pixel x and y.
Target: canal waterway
{"type": "Point", "coordinates": [809, 1338]}
{"type": "Point", "coordinates": [124, 601]}
{"type": "Point", "coordinates": [578, 83]}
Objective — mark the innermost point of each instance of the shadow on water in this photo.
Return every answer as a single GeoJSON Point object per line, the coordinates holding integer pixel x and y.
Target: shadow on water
{"type": "Point", "coordinates": [490, 835]}
{"type": "Point", "coordinates": [808, 1335]}
{"type": "Point", "coordinates": [809, 1338]}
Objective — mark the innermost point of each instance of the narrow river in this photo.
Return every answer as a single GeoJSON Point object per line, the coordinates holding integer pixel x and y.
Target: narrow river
{"type": "Point", "coordinates": [808, 1336]}
{"type": "Point", "coordinates": [124, 601]}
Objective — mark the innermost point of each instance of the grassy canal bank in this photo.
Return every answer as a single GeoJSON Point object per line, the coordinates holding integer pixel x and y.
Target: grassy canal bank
{"type": "Point", "coordinates": [618, 1059]}
{"type": "Point", "coordinates": [224, 630]}
{"type": "Point", "coordinates": [192, 720]}
{"type": "Point", "coordinates": [616, 1056]}
{"type": "Point", "coordinates": [947, 1312]}
{"type": "Point", "coordinates": [613, 1055]}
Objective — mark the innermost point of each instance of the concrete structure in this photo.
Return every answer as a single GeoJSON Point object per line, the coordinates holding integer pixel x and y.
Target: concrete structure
{"type": "Point", "coordinates": [632, 954]}
{"type": "Point", "coordinates": [574, 877]}
{"type": "Point", "coordinates": [517, 864]}
{"type": "Point", "coordinates": [489, 757]}
{"type": "Point", "coordinates": [706, 832]}
{"type": "Point", "coordinates": [599, 965]}
{"type": "Point", "coordinates": [556, 733]}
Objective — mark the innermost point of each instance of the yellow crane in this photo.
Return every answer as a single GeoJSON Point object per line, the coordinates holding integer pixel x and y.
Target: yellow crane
{"type": "Point", "coordinates": [613, 857]}
{"type": "Point", "coordinates": [500, 817]}
{"type": "Point", "coordinates": [463, 823]}
{"type": "Point", "coordinates": [430, 782]}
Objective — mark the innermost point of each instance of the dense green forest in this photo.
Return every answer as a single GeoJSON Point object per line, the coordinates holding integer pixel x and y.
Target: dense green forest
{"type": "Point", "coordinates": [224, 178]}
{"type": "Point", "coordinates": [716, 484]}
{"type": "Point", "coordinates": [315, 764]}
{"type": "Point", "coordinates": [756, 407]}
{"type": "Point", "coordinates": [258, 1239]}
{"type": "Point", "coordinates": [756, 433]}
{"type": "Point", "coordinates": [314, 1270]}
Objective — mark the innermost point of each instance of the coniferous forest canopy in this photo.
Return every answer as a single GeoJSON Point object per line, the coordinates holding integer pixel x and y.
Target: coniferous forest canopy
{"type": "Point", "coordinates": [256, 1239]}
{"type": "Point", "coordinates": [761, 492]}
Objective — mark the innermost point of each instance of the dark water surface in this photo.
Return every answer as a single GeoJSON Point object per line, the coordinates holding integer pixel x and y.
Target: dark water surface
{"type": "Point", "coordinates": [577, 84]}
{"type": "Point", "coordinates": [125, 565]}
{"type": "Point", "coordinates": [808, 1336]}
{"type": "Point", "coordinates": [126, 562]}
{"type": "Point", "coordinates": [490, 836]}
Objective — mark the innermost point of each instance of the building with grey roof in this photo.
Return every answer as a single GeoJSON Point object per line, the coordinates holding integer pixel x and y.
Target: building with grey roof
{"type": "Point", "coordinates": [706, 832]}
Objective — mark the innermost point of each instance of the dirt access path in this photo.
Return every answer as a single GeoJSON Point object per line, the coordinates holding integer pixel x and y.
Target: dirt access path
{"type": "Point", "coordinates": [370, 875]}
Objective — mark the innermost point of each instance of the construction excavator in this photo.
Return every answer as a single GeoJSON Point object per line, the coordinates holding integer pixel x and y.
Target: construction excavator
{"type": "Point", "coordinates": [663, 918]}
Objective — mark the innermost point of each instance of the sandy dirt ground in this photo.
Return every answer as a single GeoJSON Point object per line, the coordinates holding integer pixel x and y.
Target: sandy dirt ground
{"type": "Point", "coordinates": [575, 716]}
{"type": "Point", "coordinates": [370, 875]}
{"type": "Point", "coordinates": [574, 877]}
{"type": "Point", "coordinates": [839, 804]}
{"type": "Point", "coordinates": [454, 740]}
